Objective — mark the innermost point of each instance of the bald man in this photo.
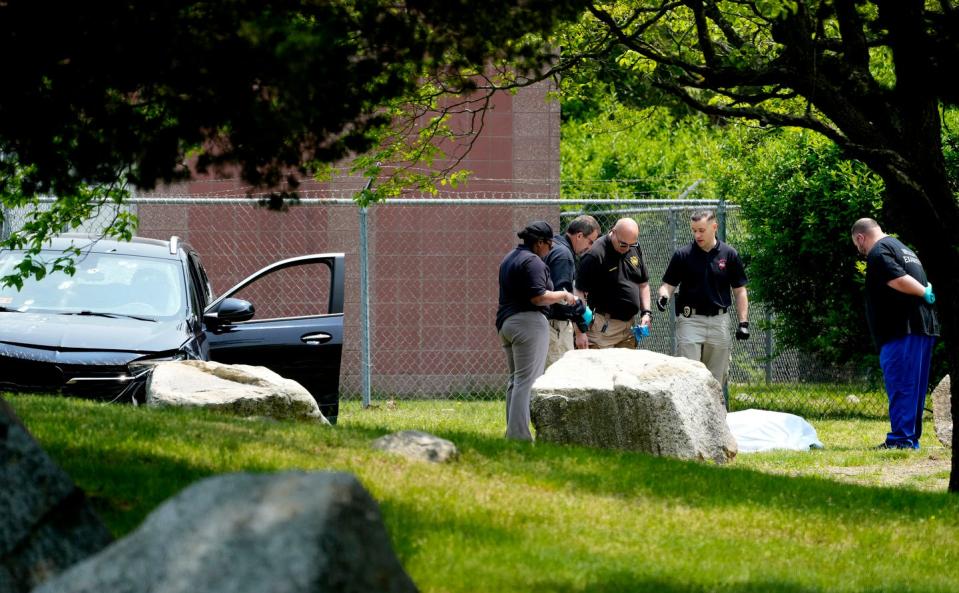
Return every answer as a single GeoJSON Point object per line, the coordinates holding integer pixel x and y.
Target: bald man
{"type": "Point", "coordinates": [903, 324]}
{"type": "Point", "coordinates": [614, 280]}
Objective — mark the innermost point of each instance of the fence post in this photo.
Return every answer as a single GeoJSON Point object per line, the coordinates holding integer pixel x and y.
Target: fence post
{"type": "Point", "coordinates": [769, 345]}
{"type": "Point", "coordinates": [365, 367]}
{"type": "Point", "coordinates": [721, 216]}
{"type": "Point", "coordinates": [669, 312]}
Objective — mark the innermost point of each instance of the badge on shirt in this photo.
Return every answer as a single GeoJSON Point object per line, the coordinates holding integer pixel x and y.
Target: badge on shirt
{"type": "Point", "coordinates": [634, 260]}
{"type": "Point", "coordinates": [722, 263]}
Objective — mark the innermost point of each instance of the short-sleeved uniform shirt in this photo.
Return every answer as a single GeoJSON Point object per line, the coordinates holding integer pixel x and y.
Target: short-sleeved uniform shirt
{"type": "Point", "coordinates": [893, 314]}
{"type": "Point", "coordinates": [705, 277]}
{"type": "Point", "coordinates": [522, 276]}
{"type": "Point", "coordinates": [562, 271]}
{"type": "Point", "coordinates": [611, 280]}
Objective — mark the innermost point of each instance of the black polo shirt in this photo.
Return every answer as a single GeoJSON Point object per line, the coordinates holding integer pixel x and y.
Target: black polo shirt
{"type": "Point", "coordinates": [562, 271]}
{"type": "Point", "coordinates": [893, 314]}
{"type": "Point", "coordinates": [705, 277]}
{"type": "Point", "coordinates": [611, 280]}
{"type": "Point", "coordinates": [522, 276]}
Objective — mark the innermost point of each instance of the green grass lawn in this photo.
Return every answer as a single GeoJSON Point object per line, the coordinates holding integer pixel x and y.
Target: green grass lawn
{"type": "Point", "coordinates": [517, 517]}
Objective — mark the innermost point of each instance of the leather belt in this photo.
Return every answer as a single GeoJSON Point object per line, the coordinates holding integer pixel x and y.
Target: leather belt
{"type": "Point", "coordinates": [690, 311]}
{"type": "Point", "coordinates": [605, 314]}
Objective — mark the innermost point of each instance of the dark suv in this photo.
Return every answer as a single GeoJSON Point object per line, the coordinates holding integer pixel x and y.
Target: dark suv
{"type": "Point", "coordinates": [98, 332]}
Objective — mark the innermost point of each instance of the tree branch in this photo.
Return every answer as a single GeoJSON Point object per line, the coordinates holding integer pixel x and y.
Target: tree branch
{"type": "Point", "coordinates": [853, 37]}
{"type": "Point", "coordinates": [702, 32]}
{"type": "Point", "coordinates": [729, 32]}
{"type": "Point", "coordinates": [763, 116]}
{"type": "Point", "coordinates": [632, 39]}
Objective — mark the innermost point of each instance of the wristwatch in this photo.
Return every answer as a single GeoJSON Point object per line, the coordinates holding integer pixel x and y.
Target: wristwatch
{"type": "Point", "coordinates": [645, 312]}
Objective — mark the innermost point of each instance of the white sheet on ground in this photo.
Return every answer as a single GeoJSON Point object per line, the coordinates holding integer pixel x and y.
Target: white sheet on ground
{"type": "Point", "coordinates": [763, 430]}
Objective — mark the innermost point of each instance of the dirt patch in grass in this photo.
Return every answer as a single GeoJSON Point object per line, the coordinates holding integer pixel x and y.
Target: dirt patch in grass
{"type": "Point", "coordinates": [926, 470]}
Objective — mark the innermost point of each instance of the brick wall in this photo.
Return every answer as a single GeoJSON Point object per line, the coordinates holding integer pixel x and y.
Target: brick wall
{"type": "Point", "coordinates": [433, 270]}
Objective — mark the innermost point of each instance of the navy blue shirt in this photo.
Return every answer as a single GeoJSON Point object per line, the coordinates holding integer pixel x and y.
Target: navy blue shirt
{"type": "Point", "coordinates": [522, 276]}
{"type": "Point", "coordinates": [562, 271]}
{"type": "Point", "coordinates": [611, 279]}
{"type": "Point", "coordinates": [705, 277]}
{"type": "Point", "coordinates": [893, 314]}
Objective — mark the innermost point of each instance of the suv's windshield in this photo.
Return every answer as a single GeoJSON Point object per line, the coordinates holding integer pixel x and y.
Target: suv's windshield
{"type": "Point", "coordinates": [107, 283]}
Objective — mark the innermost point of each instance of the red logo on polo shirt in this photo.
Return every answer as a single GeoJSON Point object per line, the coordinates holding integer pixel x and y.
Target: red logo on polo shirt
{"type": "Point", "coordinates": [722, 264]}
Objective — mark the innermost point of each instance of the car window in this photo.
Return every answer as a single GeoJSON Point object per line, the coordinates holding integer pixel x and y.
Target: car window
{"type": "Point", "coordinates": [202, 279]}
{"type": "Point", "coordinates": [103, 283]}
{"type": "Point", "coordinates": [295, 291]}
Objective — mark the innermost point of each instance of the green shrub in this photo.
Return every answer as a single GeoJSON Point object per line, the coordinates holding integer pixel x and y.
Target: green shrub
{"type": "Point", "coordinates": [799, 199]}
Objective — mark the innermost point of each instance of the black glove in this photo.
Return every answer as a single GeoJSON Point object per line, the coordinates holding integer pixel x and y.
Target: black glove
{"type": "Point", "coordinates": [661, 303]}
{"type": "Point", "coordinates": [742, 332]}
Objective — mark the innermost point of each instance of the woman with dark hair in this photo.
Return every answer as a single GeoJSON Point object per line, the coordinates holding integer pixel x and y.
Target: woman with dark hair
{"type": "Point", "coordinates": [525, 294]}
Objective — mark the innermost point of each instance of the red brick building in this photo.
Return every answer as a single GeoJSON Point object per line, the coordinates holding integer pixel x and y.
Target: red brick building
{"type": "Point", "coordinates": [433, 269]}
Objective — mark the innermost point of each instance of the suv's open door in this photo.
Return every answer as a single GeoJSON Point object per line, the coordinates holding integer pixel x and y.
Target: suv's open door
{"type": "Point", "coordinates": [296, 329]}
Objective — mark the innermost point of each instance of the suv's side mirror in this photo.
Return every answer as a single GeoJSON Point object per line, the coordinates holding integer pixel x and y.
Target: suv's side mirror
{"type": "Point", "coordinates": [228, 311]}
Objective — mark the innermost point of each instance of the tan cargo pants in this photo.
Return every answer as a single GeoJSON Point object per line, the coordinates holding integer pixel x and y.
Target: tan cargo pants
{"type": "Point", "coordinates": [618, 334]}
{"type": "Point", "coordinates": [707, 340]}
{"type": "Point", "coordinates": [560, 340]}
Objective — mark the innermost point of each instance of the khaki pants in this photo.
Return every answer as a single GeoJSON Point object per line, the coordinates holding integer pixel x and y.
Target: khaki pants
{"type": "Point", "coordinates": [707, 340]}
{"type": "Point", "coordinates": [560, 340]}
{"type": "Point", "coordinates": [618, 334]}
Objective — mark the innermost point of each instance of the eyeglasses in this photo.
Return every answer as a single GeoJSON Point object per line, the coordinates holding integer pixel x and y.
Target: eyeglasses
{"type": "Point", "coordinates": [624, 244]}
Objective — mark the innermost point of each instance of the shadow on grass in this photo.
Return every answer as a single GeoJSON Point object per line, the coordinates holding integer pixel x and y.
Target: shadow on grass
{"type": "Point", "coordinates": [623, 473]}
{"type": "Point", "coordinates": [624, 581]}
{"type": "Point", "coordinates": [124, 487]}
{"type": "Point", "coordinates": [126, 483]}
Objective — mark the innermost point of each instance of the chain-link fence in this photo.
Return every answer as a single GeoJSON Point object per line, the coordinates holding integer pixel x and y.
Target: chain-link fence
{"type": "Point", "coordinates": [432, 288]}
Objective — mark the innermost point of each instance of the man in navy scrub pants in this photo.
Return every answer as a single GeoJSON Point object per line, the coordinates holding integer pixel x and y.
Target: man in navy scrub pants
{"type": "Point", "coordinates": [903, 324]}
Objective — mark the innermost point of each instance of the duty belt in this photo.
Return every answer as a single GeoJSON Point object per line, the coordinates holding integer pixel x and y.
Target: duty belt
{"type": "Point", "coordinates": [704, 311]}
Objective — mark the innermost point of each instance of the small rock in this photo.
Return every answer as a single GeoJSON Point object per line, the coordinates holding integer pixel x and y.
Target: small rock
{"type": "Point", "coordinates": [418, 446]}
{"type": "Point", "coordinates": [852, 399]}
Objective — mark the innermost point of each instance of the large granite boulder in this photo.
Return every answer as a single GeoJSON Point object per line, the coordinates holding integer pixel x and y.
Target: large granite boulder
{"type": "Point", "coordinates": [291, 532]}
{"type": "Point", "coordinates": [46, 523]}
{"type": "Point", "coordinates": [236, 388]}
{"type": "Point", "coordinates": [942, 411]}
{"type": "Point", "coordinates": [633, 399]}
{"type": "Point", "coordinates": [418, 446]}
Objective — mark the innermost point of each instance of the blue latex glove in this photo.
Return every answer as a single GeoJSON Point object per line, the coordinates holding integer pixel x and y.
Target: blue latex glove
{"type": "Point", "coordinates": [584, 316]}
{"type": "Point", "coordinates": [929, 296]}
{"type": "Point", "coordinates": [640, 332]}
